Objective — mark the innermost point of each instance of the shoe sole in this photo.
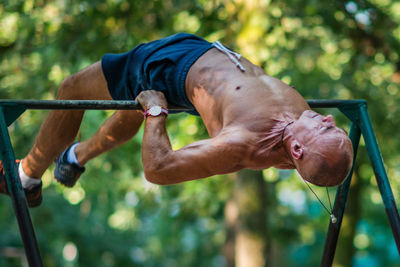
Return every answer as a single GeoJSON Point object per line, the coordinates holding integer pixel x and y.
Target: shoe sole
{"type": "Point", "coordinates": [65, 182]}
{"type": "Point", "coordinates": [68, 182]}
{"type": "Point", "coordinates": [36, 202]}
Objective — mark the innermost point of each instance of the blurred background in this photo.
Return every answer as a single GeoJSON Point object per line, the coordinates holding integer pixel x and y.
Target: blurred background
{"type": "Point", "coordinates": [113, 217]}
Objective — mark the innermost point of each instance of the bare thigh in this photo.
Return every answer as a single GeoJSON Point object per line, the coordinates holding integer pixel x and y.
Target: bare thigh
{"type": "Point", "coordinates": [89, 84]}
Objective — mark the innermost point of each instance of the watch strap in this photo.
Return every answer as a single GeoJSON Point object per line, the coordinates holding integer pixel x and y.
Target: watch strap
{"type": "Point", "coordinates": [148, 113]}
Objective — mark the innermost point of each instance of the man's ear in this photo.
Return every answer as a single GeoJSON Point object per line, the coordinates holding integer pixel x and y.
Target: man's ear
{"type": "Point", "coordinates": [296, 149]}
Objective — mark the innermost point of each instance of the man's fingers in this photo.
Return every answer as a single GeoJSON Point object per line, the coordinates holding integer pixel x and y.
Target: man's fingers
{"type": "Point", "coordinates": [150, 98]}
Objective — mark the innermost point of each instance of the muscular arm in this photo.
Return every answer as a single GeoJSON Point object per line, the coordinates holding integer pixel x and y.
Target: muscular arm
{"type": "Point", "coordinates": [201, 159]}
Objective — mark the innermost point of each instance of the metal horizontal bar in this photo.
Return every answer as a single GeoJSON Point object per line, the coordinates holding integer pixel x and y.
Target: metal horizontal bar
{"type": "Point", "coordinates": [78, 104]}
{"type": "Point", "coordinates": [132, 104]}
{"type": "Point", "coordinates": [70, 104]}
{"type": "Point", "coordinates": [323, 103]}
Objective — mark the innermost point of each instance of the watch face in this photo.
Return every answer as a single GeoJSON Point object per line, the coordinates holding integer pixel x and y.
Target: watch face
{"type": "Point", "coordinates": [155, 110]}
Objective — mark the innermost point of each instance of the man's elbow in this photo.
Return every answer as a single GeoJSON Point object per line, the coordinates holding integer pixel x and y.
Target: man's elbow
{"type": "Point", "coordinates": [155, 177]}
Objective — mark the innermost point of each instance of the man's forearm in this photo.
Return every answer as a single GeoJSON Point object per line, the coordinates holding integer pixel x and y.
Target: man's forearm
{"type": "Point", "coordinates": [204, 158]}
{"type": "Point", "coordinates": [155, 147]}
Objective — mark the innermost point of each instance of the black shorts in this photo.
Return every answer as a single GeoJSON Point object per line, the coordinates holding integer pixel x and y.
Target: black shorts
{"type": "Point", "coordinates": [160, 65]}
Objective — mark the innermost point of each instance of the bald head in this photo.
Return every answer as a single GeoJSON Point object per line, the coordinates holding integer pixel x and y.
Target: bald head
{"type": "Point", "coordinates": [327, 160]}
{"type": "Point", "coordinates": [321, 152]}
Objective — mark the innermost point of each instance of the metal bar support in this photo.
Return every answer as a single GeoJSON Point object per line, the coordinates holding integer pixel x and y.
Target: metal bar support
{"type": "Point", "coordinates": [79, 104]}
{"type": "Point", "coordinates": [340, 204]}
{"type": "Point", "coordinates": [18, 196]}
{"type": "Point", "coordinates": [132, 104]}
{"type": "Point", "coordinates": [355, 110]}
{"type": "Point", "coordinates": [380, 174]}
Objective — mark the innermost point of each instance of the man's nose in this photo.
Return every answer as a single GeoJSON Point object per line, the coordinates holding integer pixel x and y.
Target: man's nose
{"type": "Point", "coordinates": [329, 119]}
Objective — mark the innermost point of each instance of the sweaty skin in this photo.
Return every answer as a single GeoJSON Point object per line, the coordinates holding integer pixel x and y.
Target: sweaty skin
{"type": "Point", "coordinates": [238, 108]}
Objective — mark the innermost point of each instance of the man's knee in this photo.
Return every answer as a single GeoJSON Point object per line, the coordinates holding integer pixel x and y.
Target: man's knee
{"type": "Point", "coordinates": [70, 89]}
{"type": "Point", "coordinates": [88, 84]}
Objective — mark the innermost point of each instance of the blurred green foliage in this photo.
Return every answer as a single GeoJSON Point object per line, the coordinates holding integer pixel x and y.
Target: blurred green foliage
{"type": "Point", "coordinates": [113, 217]}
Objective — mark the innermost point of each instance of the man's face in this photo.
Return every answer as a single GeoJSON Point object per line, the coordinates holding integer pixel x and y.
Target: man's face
{"type": "Point", "coordinates": [312, 125]}
{"type": "Point", "coordinates": [326, 150]}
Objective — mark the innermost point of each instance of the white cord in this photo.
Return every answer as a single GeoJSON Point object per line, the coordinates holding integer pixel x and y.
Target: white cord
{"type": "Point", "coordinates": [231, 54]}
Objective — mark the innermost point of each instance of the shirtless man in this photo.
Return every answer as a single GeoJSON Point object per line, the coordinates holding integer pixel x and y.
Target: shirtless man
{"type": "Point", "coordinates": [254, 120]}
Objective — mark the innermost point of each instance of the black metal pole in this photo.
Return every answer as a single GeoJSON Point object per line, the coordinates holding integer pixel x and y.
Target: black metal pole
{"type": "Point", "coordinates": [18, 196]}
{"type": "Point", "coordinates": [340, 204]}
{"type": "Point", "coordinates": [79, 104]}
{"type": "Point", "coordinates": [380, 175]}
{"type": "Point", "coordinates": [132, 104]}
{"type": "Point", "coordinates": [322, 103]}
{"type": "Point", "coordinates": [341, 196]}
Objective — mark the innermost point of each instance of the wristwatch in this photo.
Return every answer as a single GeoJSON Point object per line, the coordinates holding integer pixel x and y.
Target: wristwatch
{"type": "Point", "coordinates": [155, 111]}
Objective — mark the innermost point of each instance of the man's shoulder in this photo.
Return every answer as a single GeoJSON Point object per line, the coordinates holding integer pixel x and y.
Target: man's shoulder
{"type": "Point", "coordinates": [238, 137]}
{"type": "Point", "coordinates": [246, 146]}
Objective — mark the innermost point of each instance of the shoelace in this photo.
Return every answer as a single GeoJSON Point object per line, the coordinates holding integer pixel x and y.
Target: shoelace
{"type": "Point", "coordinates": [231, 54]}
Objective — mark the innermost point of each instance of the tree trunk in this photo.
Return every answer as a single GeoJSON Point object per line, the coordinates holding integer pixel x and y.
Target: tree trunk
{"type": "Point", "coordinates": [231, 220]}
{"type": "Point", "coordinates": [246, 221]}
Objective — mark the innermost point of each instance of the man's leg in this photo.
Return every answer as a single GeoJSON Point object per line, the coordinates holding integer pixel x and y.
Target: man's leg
{"type": "Point", "coordinates": [61, 126]}
{"type": "Point", "coordinates": [118, 129]}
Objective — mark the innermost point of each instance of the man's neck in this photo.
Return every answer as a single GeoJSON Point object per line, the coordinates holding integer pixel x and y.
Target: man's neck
{"type": "Point", "coordinates": [285, 145]}
{"type": "Point", "coordinates": [270, 145]}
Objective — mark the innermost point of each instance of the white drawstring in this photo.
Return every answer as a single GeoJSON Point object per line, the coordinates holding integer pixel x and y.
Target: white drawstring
{"type": "Point", "coordinates": [231, 54]}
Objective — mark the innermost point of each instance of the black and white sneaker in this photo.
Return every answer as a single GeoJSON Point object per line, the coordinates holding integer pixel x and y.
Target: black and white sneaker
{"type": "Point", "coordinates": [67, 173]}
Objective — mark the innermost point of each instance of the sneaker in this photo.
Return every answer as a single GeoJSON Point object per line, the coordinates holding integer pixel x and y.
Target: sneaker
{"type": "Point", "coordinates": [67, 173]}
{"type": "Point", "coordinates": [33, 194]}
